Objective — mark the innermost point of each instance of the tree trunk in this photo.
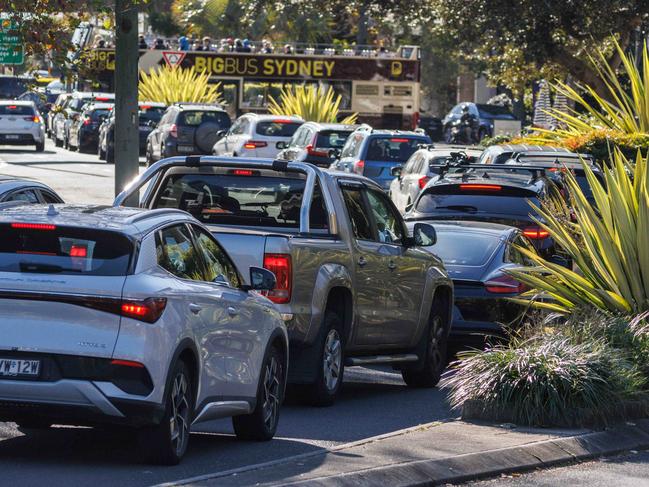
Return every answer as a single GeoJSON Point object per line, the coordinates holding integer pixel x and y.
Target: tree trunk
{"type": "Point", "coordinates": [126, 81]}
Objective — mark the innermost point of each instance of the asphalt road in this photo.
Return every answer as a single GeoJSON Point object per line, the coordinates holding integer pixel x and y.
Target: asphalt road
{"type": "Point", "coordinates": [630, 470]}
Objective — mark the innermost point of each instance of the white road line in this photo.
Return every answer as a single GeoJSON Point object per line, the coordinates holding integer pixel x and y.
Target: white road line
{"type": "Point", "coordinates": [320, 451]}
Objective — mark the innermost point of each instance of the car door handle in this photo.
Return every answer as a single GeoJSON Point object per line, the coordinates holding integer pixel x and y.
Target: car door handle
{"type": "Point", "coordinates": [362, 261]}
{"type": "Point", "coordinates": [195, 308]}
{"type": "Point", "coordinates": [233, 311]}
{"type": "Point", "coordinates": [392, 265]}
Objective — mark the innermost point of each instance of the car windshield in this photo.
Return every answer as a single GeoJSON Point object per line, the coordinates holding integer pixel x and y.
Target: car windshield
{"type": "Point", "coordinates": [196, 117]}
{"type": "Point", "coordinates": [44, 248]}
{"type": "Point", "coordinates": [241, 197]}
{"type": "Point", "coordinates": [495, 111]}
{"type": "Point", "coordinates": [393, 149]}
{"type": "Point", "coordinates": [277, 128]}
{"type": "Point", "coordinates": [150, 114]}
{"type": "Point", "coordinates": [332, 139]}
{"type": "Point", "coordinates": [464, 248]}
{"type": "Point", "coordinates": [16, 110]}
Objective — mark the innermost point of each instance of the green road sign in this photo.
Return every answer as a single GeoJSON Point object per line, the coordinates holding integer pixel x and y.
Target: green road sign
{"type": "Point", "coordinates": [12, 54]}
{"type": "Point", "coordinates": [6, 38]}
{"type": "Point", "coordinates": [7, 24]}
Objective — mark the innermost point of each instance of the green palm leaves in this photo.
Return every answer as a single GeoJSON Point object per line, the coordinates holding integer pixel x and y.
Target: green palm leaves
{"type": "Point", "coordinates": [608, 243]}
{"type": "Point", "coordinates": [172, 85]}
{"type": "Point", "coordinates": [312, 103]}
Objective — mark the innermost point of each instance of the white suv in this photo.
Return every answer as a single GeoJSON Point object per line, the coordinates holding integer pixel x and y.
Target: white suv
{"type": "Point", "coordinates": [21, 124]}
{"type": "Point", "coordinates": [133, 317]}
{"type": "Point", "coordinates": [253, 135]}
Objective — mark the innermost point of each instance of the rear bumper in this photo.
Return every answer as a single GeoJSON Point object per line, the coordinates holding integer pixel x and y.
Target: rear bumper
{"type": "Point", "coordinates": [74, 402]}
{"type": "Point", "coordinates": [21, 138]}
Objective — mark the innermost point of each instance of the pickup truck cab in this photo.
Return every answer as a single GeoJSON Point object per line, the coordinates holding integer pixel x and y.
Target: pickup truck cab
{"type": "Point", "coordinates": [353, 287]}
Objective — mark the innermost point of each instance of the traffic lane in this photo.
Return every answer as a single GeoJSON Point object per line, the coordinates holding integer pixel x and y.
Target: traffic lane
{"type": "Point", "coordinates": [77, 177]}
{"type": "Point", "coordinates": [372, 402]}
{"type": "Point", "coordinates": [626, 470]}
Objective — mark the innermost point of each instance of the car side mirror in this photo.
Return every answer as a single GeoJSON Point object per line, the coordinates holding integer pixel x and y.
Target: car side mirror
{"type": "Point", "coordinates": [281, 145]}
{"type": "Point", "coordinates": [221, 133]}
{"type": "Point", "coordinates": [261, 279]}
{"type": "Point", "coordinates": [424, 235]}
{"type": "Point", "coordinates": [396, 171]}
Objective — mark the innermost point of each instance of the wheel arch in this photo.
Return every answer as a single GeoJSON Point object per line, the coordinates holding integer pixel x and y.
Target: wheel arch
{"type": "Point", "coordinates": [331, 276]}
{"type": "Point", "coordinates": [188, 353]}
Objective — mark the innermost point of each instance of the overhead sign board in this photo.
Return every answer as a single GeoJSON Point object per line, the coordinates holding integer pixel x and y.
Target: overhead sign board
{"type": "Point", "coordinates": [12, 54]}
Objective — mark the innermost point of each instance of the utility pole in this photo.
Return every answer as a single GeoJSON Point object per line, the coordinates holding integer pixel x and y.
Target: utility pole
{"type": "Point", "coordinates": [126, 80]}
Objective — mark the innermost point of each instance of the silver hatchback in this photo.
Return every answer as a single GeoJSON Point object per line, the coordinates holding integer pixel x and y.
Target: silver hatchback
{"type": "Point", "coordinates": [21, 124]}
{"type": "Point", "coordinates": [133, 317]}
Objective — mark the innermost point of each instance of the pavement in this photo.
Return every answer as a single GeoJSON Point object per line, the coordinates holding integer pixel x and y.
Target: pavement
{"type": "Point", "coordinates": [380, 432]}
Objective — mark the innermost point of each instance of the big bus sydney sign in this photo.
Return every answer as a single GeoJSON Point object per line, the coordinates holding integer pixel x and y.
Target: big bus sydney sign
{"type": "Point", "coordinates": [384, 90]}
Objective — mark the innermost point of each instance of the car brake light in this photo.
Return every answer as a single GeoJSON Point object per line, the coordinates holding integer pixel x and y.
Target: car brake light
{"type": "Point", "coordinates": [422, 181]}
{"type": "Point", "coordinates": [12, 107]}
{"type": "Point", "coordinates": [359, 166]}
{"type": "Point", "coordinates": [87, 122]}
{"type": "Point", "coordinates": [173, 131]}
{"type": "Point", "coordinates": [127, 363]}
{"type": "Point", "coordinates": [536, 233]}
{"type": "Point", "coordinates": [145, 107]}
{"type": "Point", "coordinates": [399, 141]}
{"type": "Point", "coordinates": [148, 310]}
{"type": "Point", "coordinates": [316, 153]}
{"type": "Point", "coordinates": [254, 144]}
{"type": "Point", "coordinates": [504, 285]}
{"type": "Point", "coordinates": [280, 265]}
{"type": "Point", "coordinates": [241, 172]}
{"type": "Point", "coordinates": [33, 118]}
{"type": "Point", "coordinates": [282, 121]}
{"type": "Point", "coordinates": [78, 251]}
{"type": "Point", "coordinates": [102, 98]}
{"type": "Point", "coordinates": [480, 187]}
{"type": "Point", "coordinates": [33, 226]}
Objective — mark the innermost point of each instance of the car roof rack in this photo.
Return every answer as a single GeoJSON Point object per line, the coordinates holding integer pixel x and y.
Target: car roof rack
{"type": "Point", "coordinates": [537, 171]}
{"type": "Point", "coordinates": [365, 128]}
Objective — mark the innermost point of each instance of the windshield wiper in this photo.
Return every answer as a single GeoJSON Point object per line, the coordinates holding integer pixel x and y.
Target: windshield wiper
{"type": "Point", "coordinates": [464, 208]}
{"type": "Point", "coordinates": [44, 268]}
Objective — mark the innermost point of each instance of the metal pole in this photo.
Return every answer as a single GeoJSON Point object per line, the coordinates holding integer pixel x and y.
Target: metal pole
{"type": "Point", "coordinates": [126, 80]}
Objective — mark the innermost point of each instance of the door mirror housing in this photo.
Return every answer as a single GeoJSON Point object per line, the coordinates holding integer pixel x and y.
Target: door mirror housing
{"type": "Point", "coordinates": [424, 235]}
{"type": "Point", "coordinates": [221, 133]}
{"type": "Point", "coordinates": [261, 280]}
{"type": "Point", "coordinates": [281, 145]}
{"type": "Point", "coordinates": [396, 171]}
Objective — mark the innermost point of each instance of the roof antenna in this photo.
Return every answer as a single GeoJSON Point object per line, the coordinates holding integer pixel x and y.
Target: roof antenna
{"type": "Point", "coordinates": [51, 211]}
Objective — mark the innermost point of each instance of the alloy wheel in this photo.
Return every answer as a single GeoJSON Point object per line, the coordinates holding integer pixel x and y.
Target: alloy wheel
{"type": "Point", "coordinates": [332, 360]}
{"type": "Point", "coordinates": [179, 420]}
{"type": "Point", "coordinates": [272, 393]}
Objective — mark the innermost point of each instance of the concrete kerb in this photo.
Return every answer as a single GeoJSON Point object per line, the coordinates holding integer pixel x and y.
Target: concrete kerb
{"type": "Point", "coordinates": [491, 463]}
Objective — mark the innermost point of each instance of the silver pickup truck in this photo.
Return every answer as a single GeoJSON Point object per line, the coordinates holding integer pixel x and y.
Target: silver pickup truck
{"type": "Point", "coordinates": [353, 287]}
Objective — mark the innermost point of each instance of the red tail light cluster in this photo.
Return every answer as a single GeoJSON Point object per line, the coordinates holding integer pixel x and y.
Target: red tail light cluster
{"type": "Point", "coordinates": [310, 150]}
{"type": "Point", "coordinates": [33, 118]}
{"type": "Point", "coordinates": [423, 181]}
{"type": "Point", "coordinates": [504, 285]}
{"type": "Point", "coordinates": [254, 144]}
{"type": "Point", "coordinates": [536, 233]}
{"type": "Point", "coordinates": [359, 167]}
{"type": "Point", "coordinates": [280, 265]}
{"type": "Point", "coordinates": [148, 310]}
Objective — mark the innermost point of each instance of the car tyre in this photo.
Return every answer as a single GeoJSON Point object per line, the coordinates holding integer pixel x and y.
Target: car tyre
{"type": "Point", "coordinates": [166, 442]}
{"type": "Point", "coordinates": [40, 146]}
{"type": "Point", "coordinates": [261, 424]}
{"type": "Point", "coordinates": [331, 362]}
{"type": "Point", "coordinates": [101, 153]}
{"type": "Point", "coordinates": [58, 142]}
{"type": "Point", "coordinates": [428, 373]}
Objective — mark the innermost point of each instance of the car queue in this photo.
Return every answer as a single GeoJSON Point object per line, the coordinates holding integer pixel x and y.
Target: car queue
{"type": "Point", "coordinates": [266, 251]}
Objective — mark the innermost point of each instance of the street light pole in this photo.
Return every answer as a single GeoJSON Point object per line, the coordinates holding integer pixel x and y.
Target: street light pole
{"type": "Point", "coordinates": [126, 81]}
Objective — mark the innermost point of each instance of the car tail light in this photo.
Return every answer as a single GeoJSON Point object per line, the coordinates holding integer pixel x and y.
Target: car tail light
{"type": "Point", "coordinates": [359, 166]}
{"type": "Point", "coordinates": [127, 363]}
{"type": "Point", "coordinates": [282, 121]}
{"type": "Point", "coordinates": [148, 310]}
{"type": "Point", "coordinates": [33, 226]}
{"type": "Point", "coordinates": [78, 251]}
{"type": "Point", "coordinates": [504, 285]}
{"type": "Point", "coordinates": [33, 118]}
{"type": "Point", "coordinates": [315, 152]}
{"type": "Point", "coordinates": [102, 98]}
{"type": "Point", "coordinates": [145, 107]}
{"type": "Point", "coordinates": [398, 141]}
{"type": "Point", "coordinates": [241, 172]}
{"type": "Point", "coordinates": [173, 130]}
{"type": "Point", "coordinates": [480, 187]}
{"type": "Point", "coordinates": [87, 122]}
{"type": "Point", "coordinates": [423, 181]}
{"type": "Point", "coordinates": [536, 233]}
{"type": "Point", "coordinates": [280, 265]}
{"type": "Point", "coordinates": [254, 144]}
{"type": "Point", "coordinates": [12, 107]}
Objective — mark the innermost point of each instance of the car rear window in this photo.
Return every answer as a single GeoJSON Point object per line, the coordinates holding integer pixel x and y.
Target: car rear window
{"type": "Point", "coordinates": [17, 110]}
{"type": "Point", "coordinates": [332, 139]}
{"type": "Point", "coordinates": [150, 114]}
{"type": "Point", "coordinates": [196, 117]}
{"type": "Point", "coordinates": [242, 197]}
{"type": "Point", "coordinates": [277, 128]}
{"type": "Point", "coordinates": [449, 200]}
{"type": "Point", "coordinates": [466, 249]}
{"type": "Point", "coordinates": [49, 249]}
{"type": "Point", "coordinates": [393, 149]}
{"type": "Point", "coordinates": [95, 115]}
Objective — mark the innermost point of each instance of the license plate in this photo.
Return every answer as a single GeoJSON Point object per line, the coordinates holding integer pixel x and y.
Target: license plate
{"type": "Point", "coordinates": [12, 137]}
{"type": "Point", "coordinates": [185, 148]}
{"type": "Point", "coordinates": [19, 368]}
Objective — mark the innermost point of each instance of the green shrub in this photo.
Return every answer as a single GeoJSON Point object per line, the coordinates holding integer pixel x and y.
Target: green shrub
{"type": "Point", "coordinates": [496, 140]}
{"type": "Point", "coordinates": [547, 380]}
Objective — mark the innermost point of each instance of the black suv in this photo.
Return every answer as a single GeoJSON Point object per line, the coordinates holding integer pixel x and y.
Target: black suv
{"type": "Point", "coordinates": [186, 129]}
{"type": "Point", "coordinates": [497, 194]}
{"type": "Point", "coordinates": [317, 143]}
{"type": "Point", "coordinates": [83, 133]}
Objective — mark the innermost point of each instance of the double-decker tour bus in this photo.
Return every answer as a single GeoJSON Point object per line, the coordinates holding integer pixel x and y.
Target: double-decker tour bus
{"type": "Point", "coordinates": [381, 86]}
